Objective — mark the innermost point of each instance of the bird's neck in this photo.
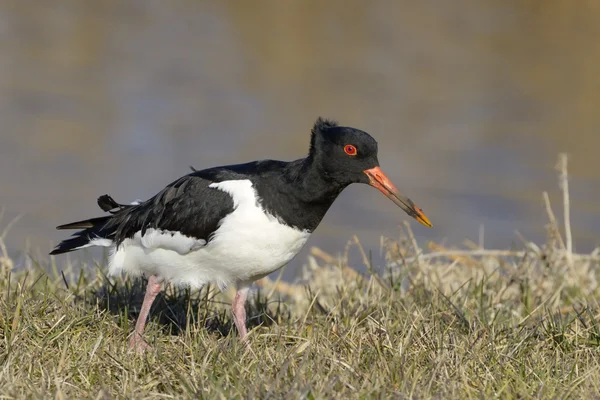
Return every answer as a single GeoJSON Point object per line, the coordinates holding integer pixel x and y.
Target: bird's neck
{"type": "Point", "coordinates": [316, 186]}
{"type": "Point", "coordinates": [300, 195]}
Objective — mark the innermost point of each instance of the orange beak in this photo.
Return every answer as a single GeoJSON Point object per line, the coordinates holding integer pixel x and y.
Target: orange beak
{"type": "Point", "coordinates": [380, 181]}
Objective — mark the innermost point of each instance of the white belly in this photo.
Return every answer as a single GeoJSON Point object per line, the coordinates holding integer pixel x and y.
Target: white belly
{"type": "Point", "coordinates": [248, 245]}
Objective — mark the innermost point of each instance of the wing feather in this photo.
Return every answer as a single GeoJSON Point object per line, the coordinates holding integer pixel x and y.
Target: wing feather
{"type": "Point", "coordinates": [187, 206]}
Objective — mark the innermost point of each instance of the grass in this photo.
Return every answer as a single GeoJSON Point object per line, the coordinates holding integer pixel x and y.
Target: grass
{"type": "Point", "coordinates": [441, 323]}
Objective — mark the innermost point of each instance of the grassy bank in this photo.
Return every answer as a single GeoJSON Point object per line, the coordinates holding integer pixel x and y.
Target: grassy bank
{"type": "Point", "coordinates": [435, 323]}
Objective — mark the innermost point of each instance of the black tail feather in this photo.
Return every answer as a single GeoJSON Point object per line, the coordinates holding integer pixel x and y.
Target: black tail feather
{"type": "Point", "coordinates": [78, 240]}
{"type": "Point", "coordinates": [108, 204]}
{"type": "Point", "coordinates": [90, 229]}
{"type": "Point", "coordinates": [85, 224]}
{"type": "Point", "coordinates": [93, 228]}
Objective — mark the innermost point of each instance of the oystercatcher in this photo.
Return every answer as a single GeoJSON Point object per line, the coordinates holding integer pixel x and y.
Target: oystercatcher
{"type": "Point", "coordinates": [233, 224]}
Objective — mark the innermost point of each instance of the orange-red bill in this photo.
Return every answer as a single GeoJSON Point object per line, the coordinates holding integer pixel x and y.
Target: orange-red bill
{"type": "Point", "coordinates": [379, 180]}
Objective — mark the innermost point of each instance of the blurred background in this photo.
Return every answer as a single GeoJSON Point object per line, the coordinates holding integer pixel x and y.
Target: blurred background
{"type": "Point", "coordinates": [470, 100]}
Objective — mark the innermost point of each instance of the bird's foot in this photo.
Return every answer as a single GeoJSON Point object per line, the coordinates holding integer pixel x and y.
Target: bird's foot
{"type": "Point", "coordinates": [246, 343]}
{"type": "Point", "coordinates": [138, 344]}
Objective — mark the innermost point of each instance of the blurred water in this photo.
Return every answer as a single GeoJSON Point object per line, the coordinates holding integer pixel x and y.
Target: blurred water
{"type": "Point", "coordinates": [471, 101]}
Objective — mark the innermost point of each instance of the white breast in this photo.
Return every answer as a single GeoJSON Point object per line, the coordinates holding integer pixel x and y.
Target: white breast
{"type": "Point", "coordinates": [248, 245]}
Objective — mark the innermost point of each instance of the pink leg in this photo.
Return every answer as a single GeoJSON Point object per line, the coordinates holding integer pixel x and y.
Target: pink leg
{"type": "Point", "coordinates": [153, 288]}
{"type": "Point", "coordinates": [239, 312]}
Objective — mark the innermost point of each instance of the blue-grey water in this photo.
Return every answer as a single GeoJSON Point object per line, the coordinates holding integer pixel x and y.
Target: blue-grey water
{"type": "Point", "coordinates": [471, 101]}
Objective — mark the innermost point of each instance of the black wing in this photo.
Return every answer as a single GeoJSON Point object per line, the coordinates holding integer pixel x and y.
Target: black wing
{"type": "Point", "coordinates": [187, 205]}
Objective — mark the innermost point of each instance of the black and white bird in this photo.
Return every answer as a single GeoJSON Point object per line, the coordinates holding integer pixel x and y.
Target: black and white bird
{"type": "Point", "coordinates": [233, 224]}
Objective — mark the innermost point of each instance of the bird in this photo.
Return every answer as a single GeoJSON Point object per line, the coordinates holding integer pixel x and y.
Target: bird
{"type": "Point", "coordinates": [234, 224]}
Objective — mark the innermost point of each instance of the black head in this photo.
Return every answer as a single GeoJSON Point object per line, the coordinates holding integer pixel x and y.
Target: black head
{"type": "Point", "coordinates": [345, 155]}
{"type": "Point", "coordinates": [342, 153]}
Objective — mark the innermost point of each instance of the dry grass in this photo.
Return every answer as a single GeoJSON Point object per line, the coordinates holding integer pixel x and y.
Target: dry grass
{"type": "Point", "coordinates": [444, 323]}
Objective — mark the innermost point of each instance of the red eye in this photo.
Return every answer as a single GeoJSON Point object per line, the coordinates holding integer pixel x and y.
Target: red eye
{"type": "Point", "coordinates": [350, 150]}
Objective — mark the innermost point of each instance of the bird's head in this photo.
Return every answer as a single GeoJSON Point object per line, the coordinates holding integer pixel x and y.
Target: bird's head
{"type": "Point", "coordinates": [346, 155]}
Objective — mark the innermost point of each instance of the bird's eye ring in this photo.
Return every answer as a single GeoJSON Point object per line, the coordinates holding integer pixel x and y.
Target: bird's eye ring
{"type": "Point", "coordinates": [350, 150]}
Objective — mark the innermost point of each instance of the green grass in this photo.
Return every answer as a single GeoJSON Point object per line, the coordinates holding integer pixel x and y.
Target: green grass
{"type": "Point", "coordinates": [437, 324]}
